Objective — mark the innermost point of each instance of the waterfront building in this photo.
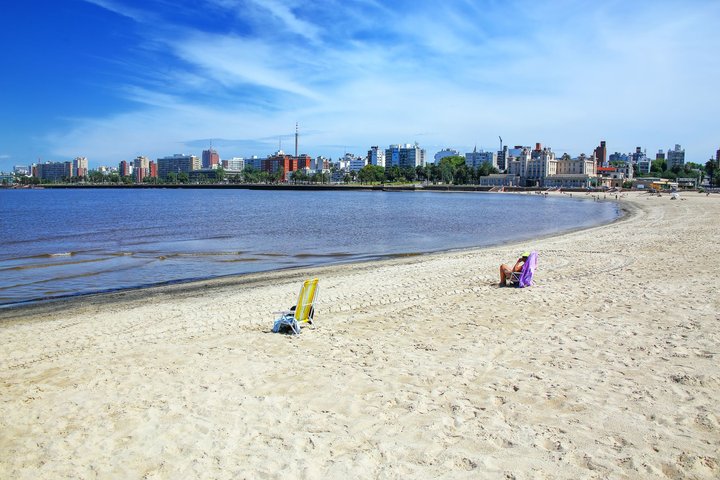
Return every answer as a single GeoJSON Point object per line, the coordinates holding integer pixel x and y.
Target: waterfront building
{"type": "Point", "coordinates": [178, 163]}
{"type": "Point", "coordinates": [141, 168]}
{"type": "Point", "coordinates": [255, 162]}
{"type": "Point", "coordinates": [476, 158]}
{"type": "Point", "coordinates": [579, 172]}
{"type": "Point", "coordinates": [54, 171]}
{"type": "Point", "coordinates": [80, 166]}
{"type": "Point", "coordinates": [502, 156]}
{"type": "Point", "coordinates": [539, 167]}
{"type": "Point", "coordinates": [601, 154]}
{"type": "Point", "coordinates": [617, 157]}
{"type": "Point", "coordinates": [355, 164]}
{"type": "Point", "coordinates": [22, 170]}
{"type": "Point", "coordinates": [153, 169]}
{"type": "Point", "coordinates": [234, 165]}
{"type": "Point", "coordinates": [499, 180]}
{"type": "Point", "coordinates": [532, 166]}
{"type": "Point", "coordinates": [343, 164]}
{"type": "Point", "coordinates": [660, 155]}
{"type": "Point", "coordinates": [321, 164]}
{"type": "Point", "coordinates": [582, 165]}
{"type": "Point", "coordinates": [210, 158]}
{"type": "Point", "coordinates": [404, 156]}
{"type": "Point", "coordinates": [7, 178]}
{"type": "Point", "coordinates": [202, 175]}
{"type": "Point", "coordinates": [445, 152]}
{"type": "Point", "coordinates": [304, 161]}
{"type": "Point", "coordinates": [124, 169]}
{"type": "Point", "coordinates": [675, 157]}
{"type": "Point", "coordinates": [280, 162]}
{"type": "Point", "coordinates": [640, 159]}
{"type": "Point", "coordinates": [376, 156]}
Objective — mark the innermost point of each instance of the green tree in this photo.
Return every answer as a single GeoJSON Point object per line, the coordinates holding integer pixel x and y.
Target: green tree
{"type": "Point", "coordinates": [392, 174]}
{"type": "Point", "coordinates": [408, 174]}
{"type": "Point", "coordinates": [658, 165]}
{"type": "Point", "coordinates": [299, 176]}
{"type": "Point", "coordinates": [220, 174]}
{"type": "Point", "coordinates": [182, 177]}
{"type": "Point", "coordinates": [367, 174]}
{"type": "Point", "coordinates": [711, 168]}
{"type": "Point", "coordinates": [461, 176]}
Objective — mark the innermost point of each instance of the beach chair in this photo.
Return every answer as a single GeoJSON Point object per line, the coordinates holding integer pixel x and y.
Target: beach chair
{"type": "Point", "coordinates": [290, 320]}
{"type": "Point", "coordinates": [524, 278]}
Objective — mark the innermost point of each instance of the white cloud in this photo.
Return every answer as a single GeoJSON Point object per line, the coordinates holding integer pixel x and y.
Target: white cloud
{"type": "Point", "coordinates": [565, 78]}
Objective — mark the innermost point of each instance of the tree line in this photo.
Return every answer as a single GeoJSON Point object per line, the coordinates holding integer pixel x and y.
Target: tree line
{"type": "Point", "coordinates": [450, 170]}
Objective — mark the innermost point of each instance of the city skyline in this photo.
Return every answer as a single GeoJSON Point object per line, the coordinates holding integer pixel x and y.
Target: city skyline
{"type": "Point", "coordinates": [111, 80]}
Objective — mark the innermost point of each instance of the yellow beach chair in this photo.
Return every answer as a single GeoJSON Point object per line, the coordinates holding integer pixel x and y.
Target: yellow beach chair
{"type": "Point", "coordinates": [302, 312]}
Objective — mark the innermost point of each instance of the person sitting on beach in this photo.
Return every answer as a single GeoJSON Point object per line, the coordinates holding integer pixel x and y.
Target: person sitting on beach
{"type": "Point", "coordinates": [506, 271]}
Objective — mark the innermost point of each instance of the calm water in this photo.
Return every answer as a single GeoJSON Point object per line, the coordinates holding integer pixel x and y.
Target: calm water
{"type": "Point", "coordinates": [68, 242]}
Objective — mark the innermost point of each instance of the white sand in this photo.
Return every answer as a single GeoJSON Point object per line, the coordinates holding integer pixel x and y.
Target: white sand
{"type": "Point", "coordinates": [417, 368]}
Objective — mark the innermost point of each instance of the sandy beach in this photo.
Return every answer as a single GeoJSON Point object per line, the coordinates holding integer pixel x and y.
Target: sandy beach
{"type": "Point", "coordinates": [419, 367]}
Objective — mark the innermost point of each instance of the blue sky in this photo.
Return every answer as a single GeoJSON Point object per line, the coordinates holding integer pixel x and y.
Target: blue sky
{"type": "Point", "coordinates": [113, 79]}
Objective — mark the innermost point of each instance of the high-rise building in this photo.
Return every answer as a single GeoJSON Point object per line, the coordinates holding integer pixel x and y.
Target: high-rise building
{"type": "Point", "coordinates": [22, 170]}
{"type": "Point", "coordinates": [141, 168]}
{"type": "Point", "coordinates": [640, 159]}
{"type": "Point", "coordinates": [502, 156]}
{"type": "Point", "coordinates": [235, 164]}
{"type": "Point", "coordinates": [660, 155]}
{"type": "Point", "coordinates": [355, 163]}
{"type": "Point", "coordinates": [304, 161]}
{"type": "Point", "coordinates": [280, 162]}
{"type": "Point", "coordinates": [321, 163]}
{"type": "Point", "coordinates": [80, 165]}
{"type": "Point", "coordinates": [675, 157]}
{"type": "Point", "coordinates": [404, 156]}
{"type": "Point", "coordinates": [54, 171]}
{"type": "Point", "coordinates": [445, 152]}
{"type": "Point", "coordinates": [617, 158]}
{"type": "Point", "coordinates": [376, 156]}
{"type": "Point", "coordinates": [477, 157]}
{"type": "Point", "coordinates": [177, 163]}
{"type": "Point", "coordinates": [210, 158]}
{"type": "Point", "coordinates": [124, 169]}
{"type": "Point", "coordinates": [601, 154]}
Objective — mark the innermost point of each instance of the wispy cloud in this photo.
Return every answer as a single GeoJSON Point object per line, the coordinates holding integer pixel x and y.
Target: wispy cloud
{"type": "Point", "coordinates": [364, 73]}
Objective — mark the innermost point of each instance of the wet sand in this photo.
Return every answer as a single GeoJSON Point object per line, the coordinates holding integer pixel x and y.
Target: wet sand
{"type": "Point", "coordinates": [418, 367]}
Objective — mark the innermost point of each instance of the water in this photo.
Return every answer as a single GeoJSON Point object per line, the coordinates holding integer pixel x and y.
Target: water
{"type": "Point", "coordinates": [57, 243]}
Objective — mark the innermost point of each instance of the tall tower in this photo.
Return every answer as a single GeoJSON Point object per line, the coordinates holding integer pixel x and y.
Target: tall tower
{"type": "Point", "coordinates": [601, 154]}
{"type": "Point", "coordinates": [296, 139]}
{"type": "Point", "coordinates": [210, 158]}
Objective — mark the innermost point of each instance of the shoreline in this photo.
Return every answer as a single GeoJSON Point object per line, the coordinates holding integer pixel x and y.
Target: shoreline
{"type": "Point", "coordinates": [33, 306]}
{"type": "Point", "coordinates": [416, 368]}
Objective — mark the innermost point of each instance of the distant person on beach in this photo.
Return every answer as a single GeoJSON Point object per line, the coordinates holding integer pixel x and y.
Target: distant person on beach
{"type": "Point", "coordinates": [506, 271]}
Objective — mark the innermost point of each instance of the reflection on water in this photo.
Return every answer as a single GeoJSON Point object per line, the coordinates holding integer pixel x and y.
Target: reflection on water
{"type": "Point", "coordinates": [69, 242]}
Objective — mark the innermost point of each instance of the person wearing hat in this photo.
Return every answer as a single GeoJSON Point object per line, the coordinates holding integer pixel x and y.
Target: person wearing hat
{"type": "Point", "coordinates": [506, 272]}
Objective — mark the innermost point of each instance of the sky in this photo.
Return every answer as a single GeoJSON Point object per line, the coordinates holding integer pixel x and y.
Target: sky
{"type": "Point", "coordinates": [113, 79]}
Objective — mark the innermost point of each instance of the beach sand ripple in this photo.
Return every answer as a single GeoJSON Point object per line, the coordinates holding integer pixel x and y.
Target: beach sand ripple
{"type": "Point", "coordinates": [418, 367]}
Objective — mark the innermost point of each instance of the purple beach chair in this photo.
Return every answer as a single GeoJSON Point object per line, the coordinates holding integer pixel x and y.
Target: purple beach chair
{"type": "Point", "coordinates": [524, 278]}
